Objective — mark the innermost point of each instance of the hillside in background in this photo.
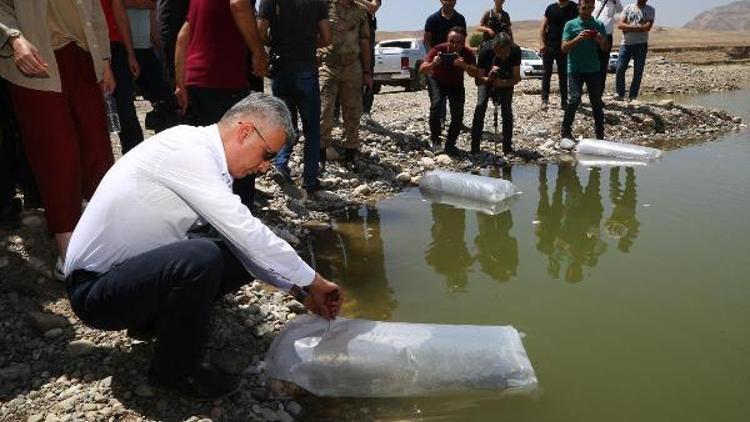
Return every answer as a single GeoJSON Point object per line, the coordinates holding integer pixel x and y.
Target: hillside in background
{"type": "Point", "coordinates": [527, 34]}
{"type": "Point", "coordinates": [731, 17]}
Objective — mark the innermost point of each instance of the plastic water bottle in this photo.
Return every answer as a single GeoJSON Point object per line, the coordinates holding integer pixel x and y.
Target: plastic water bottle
{"type": "Point", "coordinates": [113, 119]}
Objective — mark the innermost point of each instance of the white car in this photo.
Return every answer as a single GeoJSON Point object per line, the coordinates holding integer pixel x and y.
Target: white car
{"type": "Point", "coordinates": [397, 63]}
{"type": "Point", "coordinates": [532, 65]}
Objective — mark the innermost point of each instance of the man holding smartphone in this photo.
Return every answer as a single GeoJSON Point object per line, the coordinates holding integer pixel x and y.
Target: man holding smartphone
{"type": "Point", "coordinates": [583, 38]}
{"type": "Point", "coordinates": [447, 63]}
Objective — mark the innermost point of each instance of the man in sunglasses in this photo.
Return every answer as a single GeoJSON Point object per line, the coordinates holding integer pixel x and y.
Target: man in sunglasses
{"type": "Point", "coordinates": [132, 264]}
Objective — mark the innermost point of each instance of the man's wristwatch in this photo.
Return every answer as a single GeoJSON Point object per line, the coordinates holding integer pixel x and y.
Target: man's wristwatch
{"type": "Point", "coordinates": [14, 33]}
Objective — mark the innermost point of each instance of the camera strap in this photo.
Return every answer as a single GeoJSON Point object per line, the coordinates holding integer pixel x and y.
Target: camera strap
{"type": "Point", "coordinates": [602, 9]}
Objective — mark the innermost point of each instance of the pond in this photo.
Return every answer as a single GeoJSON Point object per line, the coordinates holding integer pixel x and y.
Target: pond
{"type": "Point", "coordinates": [632, 285]}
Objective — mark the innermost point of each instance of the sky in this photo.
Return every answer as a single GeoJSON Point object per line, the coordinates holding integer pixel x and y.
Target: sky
{"type": "Point", "coordinates": [410, 14]}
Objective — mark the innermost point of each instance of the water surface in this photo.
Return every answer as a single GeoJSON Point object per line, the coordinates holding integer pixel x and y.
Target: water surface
{"type": "Point", "coordinates": [631, 285]}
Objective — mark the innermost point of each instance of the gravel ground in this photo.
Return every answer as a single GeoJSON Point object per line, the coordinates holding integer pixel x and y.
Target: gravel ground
{"type": "Point", "coordinates": [53, 368]}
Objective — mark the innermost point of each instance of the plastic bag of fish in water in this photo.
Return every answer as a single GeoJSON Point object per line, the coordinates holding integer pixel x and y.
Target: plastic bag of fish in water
{"type": "Point", "coordinates": [360, 358]}
{"type": "Point", "coordinates": [600, 148]}
{"type": "Point", "coordinates": [468, 186]}
{"type": "Point", "coordinates": [489, 208]}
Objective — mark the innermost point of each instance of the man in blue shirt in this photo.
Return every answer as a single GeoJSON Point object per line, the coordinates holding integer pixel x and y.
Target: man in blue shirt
{"type": "Point", "coordinates": [583, 38]}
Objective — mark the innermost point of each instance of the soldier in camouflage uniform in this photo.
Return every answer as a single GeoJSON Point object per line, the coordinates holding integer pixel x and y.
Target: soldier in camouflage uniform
{"type": "Point", "coordinates": [341, 73]}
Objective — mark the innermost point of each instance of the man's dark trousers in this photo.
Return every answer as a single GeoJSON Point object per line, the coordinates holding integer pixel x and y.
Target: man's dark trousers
{"type": "Point", "coordinates": [207, 106]}
{"type": "Point", "coordinates": [456, 96]}
{"type": "Point", "coordinates": [171, 289]}
{"type": "Point", "coordinates": [504, 97]}
{"type": "Point", "coordinates": [300, 90]}
{"type": "Point", "coordinates": [548, 59]}
{"type": "Point", "coordinates": [131, 134]}
{"type": "Point", "coordinates": [638, 53]}
{"type": "Point", "coordinates": [593, 85]}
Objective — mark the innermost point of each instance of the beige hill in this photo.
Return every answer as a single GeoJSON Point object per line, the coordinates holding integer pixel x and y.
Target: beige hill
{"type": "Point", "coordinates": [527, 35]}
{"type": "Point", "coordinates": [731, 17]}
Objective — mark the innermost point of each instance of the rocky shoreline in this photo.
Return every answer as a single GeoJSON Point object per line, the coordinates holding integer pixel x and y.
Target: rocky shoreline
{"type": "Point", "coordinates": [53, 368]}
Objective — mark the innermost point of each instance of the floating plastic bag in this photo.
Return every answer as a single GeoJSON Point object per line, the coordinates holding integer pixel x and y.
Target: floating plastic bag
{"type": "Point", "coordinates": [488, 208]}
{"type": "Point", "coordinates": [616, 150]}
{"type": "Point", "coordinates": [469, 187]}
{"type": "Point", "coordinates": [595, 161]}
{"type": "Point", "coordinates": [359, 358]}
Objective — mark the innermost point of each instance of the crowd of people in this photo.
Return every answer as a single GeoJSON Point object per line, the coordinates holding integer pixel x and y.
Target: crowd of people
{"type": "Point", "coordinates": [168, 227]}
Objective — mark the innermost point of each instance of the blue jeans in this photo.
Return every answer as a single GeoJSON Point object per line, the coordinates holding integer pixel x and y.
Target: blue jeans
{"type": "Point", "coordinates": [637, 52]}
{"type": "Point", "coordinates": [300, 90]}
{"type": "Point", "coordinates": [593, 83]}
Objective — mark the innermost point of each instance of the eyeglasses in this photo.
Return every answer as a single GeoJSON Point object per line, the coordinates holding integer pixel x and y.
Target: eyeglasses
{"type": "Point", "coordinates": [268, 154]}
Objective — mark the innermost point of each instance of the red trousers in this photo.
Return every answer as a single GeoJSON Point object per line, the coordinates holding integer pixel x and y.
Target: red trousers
{"type": "Point", "coordinates": [66, 137]}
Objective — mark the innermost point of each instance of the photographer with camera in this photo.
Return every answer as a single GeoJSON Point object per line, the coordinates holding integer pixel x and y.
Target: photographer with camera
{"type": "Point", "coordinates": [583, 38]}
{"type": "Point", "coordinates": [294, 30]}
{"type": "Point", "coordinates": [501, 67]}
{"type": "Point", "coordinates": [446, 63]}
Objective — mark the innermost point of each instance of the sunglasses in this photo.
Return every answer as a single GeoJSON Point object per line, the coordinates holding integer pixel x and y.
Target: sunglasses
{"type": "Point", "coordinates": [268, 154]}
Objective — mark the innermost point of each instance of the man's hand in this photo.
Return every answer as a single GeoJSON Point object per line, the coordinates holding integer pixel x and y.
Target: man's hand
{"type": "Point", "coordinates": [181, 94]}
{"type": "Point", "coordinates": [27, 58]}
{"type": "Point", "coordinates": [325, 298]}
{"type": "Point", "coordinates": [108, 83]}
{"type": "Point", "coordinates": [459, 63]}
{"type": "Point", "coordinates": [135, 68]}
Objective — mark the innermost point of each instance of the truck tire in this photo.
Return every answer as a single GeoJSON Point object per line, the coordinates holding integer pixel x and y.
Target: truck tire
{"type": "Point", "coordinates": [418, 81]}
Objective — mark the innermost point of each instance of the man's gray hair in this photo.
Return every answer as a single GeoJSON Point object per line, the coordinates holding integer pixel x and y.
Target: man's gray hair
{"type": "Point", "coordinates": [501, 40]}
{"type": "Point", "coordinates": [264, 107]}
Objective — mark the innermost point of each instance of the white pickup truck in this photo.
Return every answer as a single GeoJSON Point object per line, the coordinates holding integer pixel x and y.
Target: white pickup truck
{"type": "Point", "coordinates": [397, 63]}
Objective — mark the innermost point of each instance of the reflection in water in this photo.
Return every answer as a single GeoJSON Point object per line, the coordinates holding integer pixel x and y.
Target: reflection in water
{"type": "Point", "coordinates": [447, 252]}
{"type": "Point", "coordinates": [622, 224]}
{"type": "Point", "coordinates": [497, 250]}
{"type": "Point", "coordinates": [569, 227]}
{"type": "Point", "coordinates": [353, 256]}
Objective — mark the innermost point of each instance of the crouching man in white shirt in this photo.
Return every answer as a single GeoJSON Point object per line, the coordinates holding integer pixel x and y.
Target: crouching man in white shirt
{"type": "Point", "coordinates": [131, 265]}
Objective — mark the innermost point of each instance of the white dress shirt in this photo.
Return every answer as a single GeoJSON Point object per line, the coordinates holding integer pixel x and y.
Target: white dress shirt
{"type": "Point", "coordinates": [154, 194]}
{"type": "Point", "coordinates": [607, 16]}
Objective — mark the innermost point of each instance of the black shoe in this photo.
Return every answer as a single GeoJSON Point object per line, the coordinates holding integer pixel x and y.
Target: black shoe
{"type": "Point", "coordinates": [566, 134]}
{"type": "Point", "coordinates": [204, 383]}
{"type": "Point", "coordinates": [283, 179]}
{"type": "Point", "coordinates": [452, 150]}
{"type": "Point", "coordinates": [312, 190]}
{"type": "Point", "coordinates": [141, 334]}
{"type": "Point", "coordinates": [351, 155]}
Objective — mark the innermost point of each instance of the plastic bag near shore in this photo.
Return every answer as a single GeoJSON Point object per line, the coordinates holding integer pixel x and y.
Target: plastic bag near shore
{"type": "Point", "coordinates": [359, 358]}
{"type": "Point", "coordinates": [600, 148]}
{"type": "Point", "coordinates": [597, 161]}
{"type": "Point", "coordinates": [488, 208]}
{"type": "Point", "coordinates": [467, 190]}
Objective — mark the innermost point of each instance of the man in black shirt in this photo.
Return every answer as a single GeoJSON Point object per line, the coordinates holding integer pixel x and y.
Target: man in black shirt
{"type": "Point", "coordinates": [555, 18]}
{"type": "Point", "coordinates": [493, 22]}
{"type": "Point", "coordinates": [440, 23]}
{"type": "Point", "coordinates": [295, 29]}
{"type": "Point", "coordinates": [502, 71]}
